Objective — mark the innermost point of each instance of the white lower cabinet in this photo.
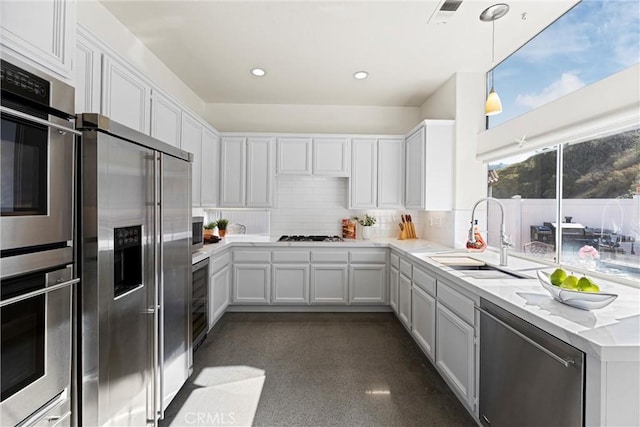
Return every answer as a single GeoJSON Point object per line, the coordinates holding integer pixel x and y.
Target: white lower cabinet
{"type": "Point", "coordinates": [404, 300]}
{"type": "Point", "coordinates": [368, 284]}
{"type": "Point", "coordinates": [251, 283]}
{"type": "Point", "coordinates": [290, 283]}
{"type": "Point", "coordinates": [423, 320]}
{"type": "Point", "coordinates": [219, 294]}
{"type": "Point", "coordinates": [394, 277]}
{"type": "Point", "coordinates": [455, 355]}
{"type": "Point", "coordinates": [329, 284]}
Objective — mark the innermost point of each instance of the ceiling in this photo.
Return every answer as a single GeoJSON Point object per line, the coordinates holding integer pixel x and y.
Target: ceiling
{"type": "Point", "coordinates": [311, 49]}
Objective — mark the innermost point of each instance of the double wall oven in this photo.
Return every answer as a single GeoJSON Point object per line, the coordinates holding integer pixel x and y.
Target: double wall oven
{"type": "Point", "coordinates": [37, 270]}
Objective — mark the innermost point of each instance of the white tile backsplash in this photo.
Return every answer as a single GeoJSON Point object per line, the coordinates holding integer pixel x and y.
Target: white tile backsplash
{"type": "Point", "coordinates": [317, 205]}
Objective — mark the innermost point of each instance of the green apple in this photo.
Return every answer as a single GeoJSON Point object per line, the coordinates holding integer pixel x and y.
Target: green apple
{"type": "Point", "coordinates": [571, 282]}
{"type": "Point", "coordinates": [558, 276]}
{"type": "Point", "coordinates": [586, 285]}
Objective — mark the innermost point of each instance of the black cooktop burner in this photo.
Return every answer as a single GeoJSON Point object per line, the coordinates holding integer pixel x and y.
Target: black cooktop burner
{"type": "Point", "coordinates": [310, 239]}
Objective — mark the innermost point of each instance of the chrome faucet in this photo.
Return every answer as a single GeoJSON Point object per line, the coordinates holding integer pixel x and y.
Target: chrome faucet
{"type": "Point", "coordinates": [504, 240]}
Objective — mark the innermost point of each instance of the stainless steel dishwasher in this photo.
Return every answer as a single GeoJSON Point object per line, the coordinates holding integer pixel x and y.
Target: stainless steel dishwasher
{"type": "Point", "coordinates": [527, 376]}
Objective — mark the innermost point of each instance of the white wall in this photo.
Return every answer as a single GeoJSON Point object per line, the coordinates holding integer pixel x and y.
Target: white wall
{"type": "Point", "coordinates": [312, 118]}
{"type": "Point", "coordinates": [442, 103]}
{"type": "Point", "coordinates": [106, 27]}
{"type": "Point", "coordinates": [460, 98]}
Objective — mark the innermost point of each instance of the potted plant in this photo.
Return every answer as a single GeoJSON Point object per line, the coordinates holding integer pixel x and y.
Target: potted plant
{"type": "Point", "coordinates": [208, 229]}
{"type": "Point", "coordinates": [222, 227]}
{"type": "Point", "coordinates": [366, 222]}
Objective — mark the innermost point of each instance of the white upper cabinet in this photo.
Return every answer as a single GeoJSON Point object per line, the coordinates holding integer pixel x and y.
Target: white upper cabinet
{"type": "Point", "coordinates": [391, 173]}
{"type": "Point", "coordinates": [192, 142]}
{"type": "Point", "coordinates": [210, 167]}
{"type": "Point", "coordinates": [246, 172]}
{"type": "Point", "coordinates": [331, 156]}
{"type": "Point", "coordinates": [364, 173]}
{"type": "Point", "coordinates": [377, 173]}
{"type": "Point", "coordinates": [429, 166]}
{"type": "Point", "coordinates": [259, 173]}
{"type": "Point", "coordinates": [42, 33]}
{"type": "Point", "coordinates": [87, 72]}
{"type": "Point", "coordinates": [232, 171]}
{"type": "Point", "coordinates": [126, 97]}
{"type": "Point", "coordinates": [293, 156]}
{"type": "Point", "coordinates": [166, 119]}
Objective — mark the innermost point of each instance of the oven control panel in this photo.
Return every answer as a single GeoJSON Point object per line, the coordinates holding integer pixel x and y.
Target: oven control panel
{"type": "Point", "coordinates": [24, 84]}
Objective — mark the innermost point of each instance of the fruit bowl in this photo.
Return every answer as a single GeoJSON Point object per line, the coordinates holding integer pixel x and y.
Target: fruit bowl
{"type": "Point", "coordinates": [577, 299]}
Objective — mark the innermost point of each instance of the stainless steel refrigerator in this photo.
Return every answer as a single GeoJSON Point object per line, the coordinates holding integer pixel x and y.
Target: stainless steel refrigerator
{"type": "Point", "coordinates": [135, 260]}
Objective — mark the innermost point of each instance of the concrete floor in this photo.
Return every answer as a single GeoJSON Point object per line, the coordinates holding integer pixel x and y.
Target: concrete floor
{"type": "Point", "coordinates": [315, 369]}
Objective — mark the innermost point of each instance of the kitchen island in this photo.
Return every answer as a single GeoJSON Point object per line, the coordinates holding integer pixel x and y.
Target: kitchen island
{"type": "Point", "coordinates": [425, 293]}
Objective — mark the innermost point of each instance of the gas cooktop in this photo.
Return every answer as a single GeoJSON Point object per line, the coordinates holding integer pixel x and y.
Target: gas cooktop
{"type": "Point", "coordinates": [310, 239]}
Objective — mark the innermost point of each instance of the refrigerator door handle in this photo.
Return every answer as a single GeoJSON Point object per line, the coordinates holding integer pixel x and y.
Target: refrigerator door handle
{"type": "Point", "coordinates": [159, 287]}
{"type": "Point", "coordinates": [157, 334]}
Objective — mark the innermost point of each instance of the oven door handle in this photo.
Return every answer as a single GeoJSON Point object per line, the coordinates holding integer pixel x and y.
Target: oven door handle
{"type": "Point", "coordinates": [38, 292]}
{"type": "Point", "coordinates": [37, 120]}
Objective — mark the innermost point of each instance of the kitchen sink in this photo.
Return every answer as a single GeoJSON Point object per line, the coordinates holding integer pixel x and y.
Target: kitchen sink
{"type": "Point", "coordinates": [485, 271]}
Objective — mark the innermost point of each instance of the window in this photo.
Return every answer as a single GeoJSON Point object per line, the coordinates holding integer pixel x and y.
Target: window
{"type": "Point", "coordinates": [593, 40]}
{"type": "Point", "coordinates": [598, 211]}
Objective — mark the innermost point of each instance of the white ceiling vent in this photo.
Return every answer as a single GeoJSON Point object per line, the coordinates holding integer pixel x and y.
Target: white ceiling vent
{"type": "Point", "coordinates": [445, 12]}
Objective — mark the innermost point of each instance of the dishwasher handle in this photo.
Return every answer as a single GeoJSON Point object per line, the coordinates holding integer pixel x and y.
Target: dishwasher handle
{"type": "Point", "coordinates": [564, 362]}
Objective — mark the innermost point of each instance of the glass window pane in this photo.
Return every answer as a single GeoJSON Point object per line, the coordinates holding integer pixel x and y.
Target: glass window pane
{"type": "Point", "coordinates": [526, 186]}
{"type": "Point", "coordinates": [601, 204]}
{"type": "Point", "coordinates": [593, 40]}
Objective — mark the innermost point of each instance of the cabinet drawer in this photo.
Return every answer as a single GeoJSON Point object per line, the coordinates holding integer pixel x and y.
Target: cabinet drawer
{"type": "Point", "coordinates": [290, 256]}
{"type": "Point", "coordinates": [379, 257]}
{"type": "Point", "coordinates": [405, 268]}
{"type": "Point", "coordinates": [218, 262]}
{"type": "Point", "coordinates": [425, 281]}
{"type": "Point", "coordinates": [456, 302]}
{"type": "Point", "coordinates": [394, 260]}
{"type": "Point", "coordinates": [251, 256]}
{"type": "Point", "coordinates": [341, 257]}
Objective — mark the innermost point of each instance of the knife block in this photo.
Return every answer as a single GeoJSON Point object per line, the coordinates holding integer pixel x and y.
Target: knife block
{"type": "Point", "coordinates": [407, 231]}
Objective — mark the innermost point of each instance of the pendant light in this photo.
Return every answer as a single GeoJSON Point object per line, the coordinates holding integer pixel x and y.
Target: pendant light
{"type": "Point", "coordinates": [493, 105]}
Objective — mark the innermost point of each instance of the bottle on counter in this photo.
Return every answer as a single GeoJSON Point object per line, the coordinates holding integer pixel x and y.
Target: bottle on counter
{"type": "Point", "coordinates": [479, 243]}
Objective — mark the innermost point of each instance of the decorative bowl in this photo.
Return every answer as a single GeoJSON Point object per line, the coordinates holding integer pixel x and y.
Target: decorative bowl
{"type": "Point", "coordinates": [577, 299]}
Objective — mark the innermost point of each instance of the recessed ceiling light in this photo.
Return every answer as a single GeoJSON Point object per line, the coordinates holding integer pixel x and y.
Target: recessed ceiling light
{"type": "Point", "coordinates": [258, 72]}
{"type": "Point", "coordinates": [360, 75]}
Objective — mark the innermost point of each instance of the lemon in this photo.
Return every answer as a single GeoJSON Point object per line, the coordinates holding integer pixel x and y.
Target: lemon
{"type": "Point", "coordinates": [571, 282]}
{"type": "Point", "coordinates": [558, 276]}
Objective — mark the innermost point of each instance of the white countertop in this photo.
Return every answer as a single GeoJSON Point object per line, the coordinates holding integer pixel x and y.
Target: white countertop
{"type": "Point", "coordinates": [609, 334]}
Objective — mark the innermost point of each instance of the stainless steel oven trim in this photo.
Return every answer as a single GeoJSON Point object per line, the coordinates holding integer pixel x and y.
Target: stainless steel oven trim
{"type": "Point", "coordinates": [61, 95]}
{"type": "Point", "coordinates": [57, 225]}
{"type": "Point", "coordinates": [57, 378]}
{"type": "Point", "coordinates": [20, 264]}
{"type": "Point", "coordinates": [38, 292]}
{"type": "Point", "coordinates": [57, 126]}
